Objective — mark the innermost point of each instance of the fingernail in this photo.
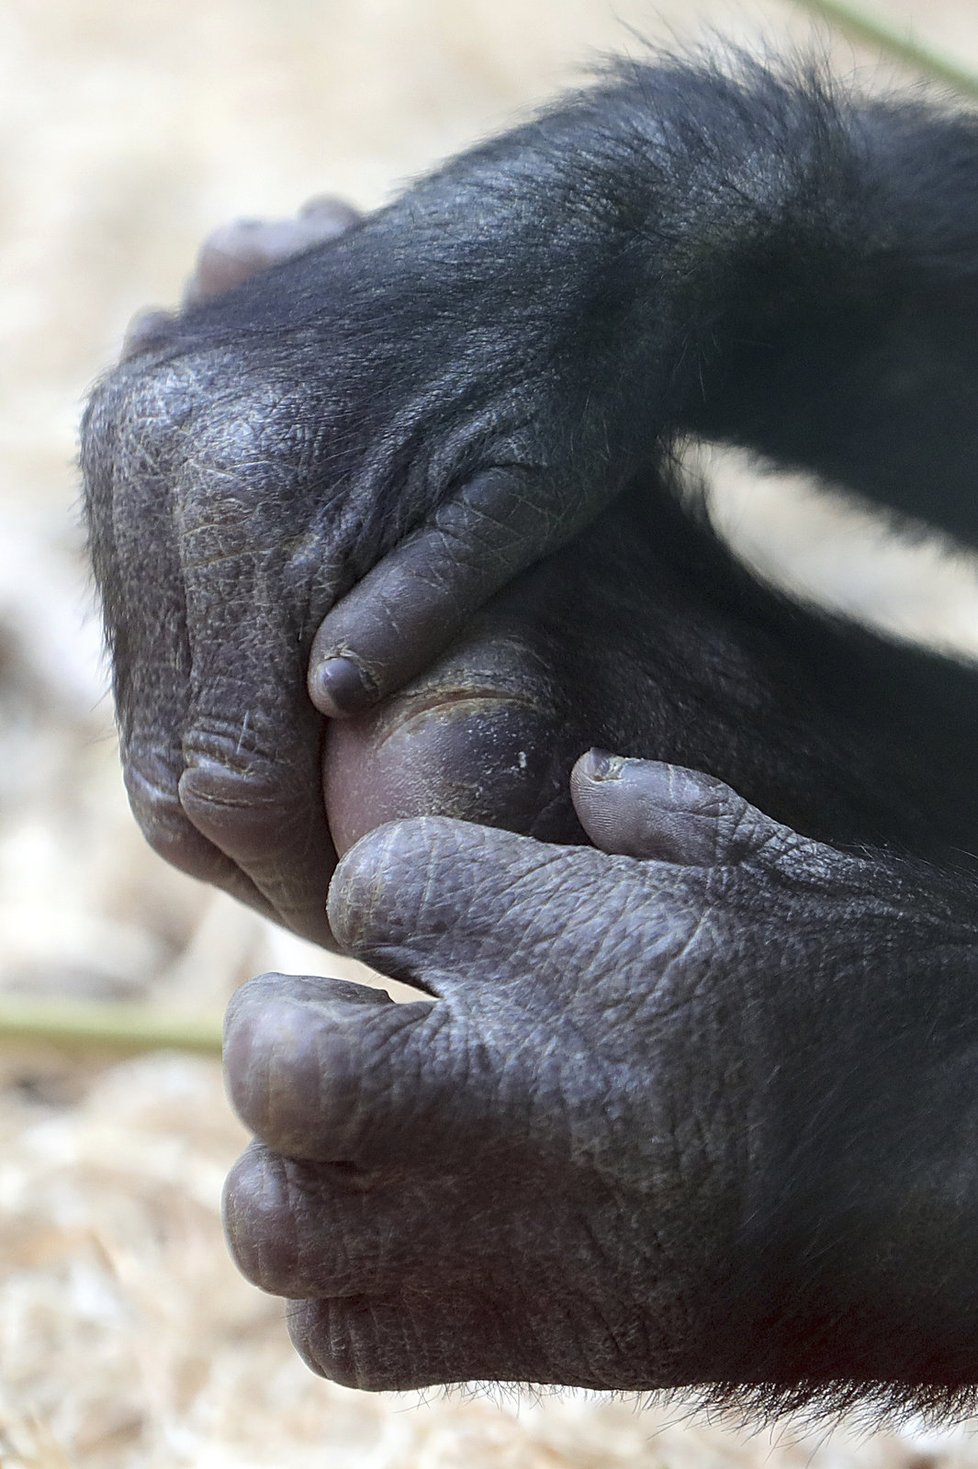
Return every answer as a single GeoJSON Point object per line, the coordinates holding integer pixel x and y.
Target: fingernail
{"type": "Point", "coordinates": [602, 766]}
{"type": "Point", "coordinates": [340, 686]}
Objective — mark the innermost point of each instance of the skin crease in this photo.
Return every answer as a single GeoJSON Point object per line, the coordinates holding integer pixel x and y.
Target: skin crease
{"type": "Point", "coordinates": [408, 1155]}
{"type": "Point", "coordinates": [727, 1059]}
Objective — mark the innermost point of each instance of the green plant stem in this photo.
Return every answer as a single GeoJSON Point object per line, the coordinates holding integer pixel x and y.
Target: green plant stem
{"type": "Point", "coordinates": [94, 1025]}
{"type": "Point", "coordinates": [876, 31]}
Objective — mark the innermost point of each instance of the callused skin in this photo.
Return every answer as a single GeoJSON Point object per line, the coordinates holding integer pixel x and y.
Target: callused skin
{"type": "Point", "coordinates": [692, 1106]}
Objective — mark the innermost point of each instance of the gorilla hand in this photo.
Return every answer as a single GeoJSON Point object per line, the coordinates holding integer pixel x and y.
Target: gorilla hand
{"type": "Point", "coordinates": [347, 454]}
{"type": "Point", "coordinates": [253, 458]}
{"type": "Point", "coordinates": [694, 1108]}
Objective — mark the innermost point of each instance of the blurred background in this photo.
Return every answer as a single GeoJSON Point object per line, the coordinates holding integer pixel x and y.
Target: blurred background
{"type": "Point", "coordinates": [127, 132]}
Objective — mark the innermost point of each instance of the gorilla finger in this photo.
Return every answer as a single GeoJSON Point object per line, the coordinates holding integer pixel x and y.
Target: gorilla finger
{"type": "Point", "coordinates": [127, 461]}
{"type": "Point", "coordinates": [413, 603]}
{"type": "Point", "coordinates": [146, 330]}
{"type": "Point", "coordinates": [336, 1072]}
{"type": "Point", "coordinates": [309, 1230]}
{"type": "Point", "coordinates": [411, 1340]}
{"type": "Point", "coordinates": [442, 903]}
{"type": "Point", "coordinates": [169, 831]}
{"type": "Point", "coordinates": [152, 700]}
{"type": "Point", "coordinates": [656, 811]}
{"type": "Point", "coordinates": [259, 803]}
{"type": "Point", "coordinates": [252, 741]}
{"type": "Point", "coordinates": [235, 252]}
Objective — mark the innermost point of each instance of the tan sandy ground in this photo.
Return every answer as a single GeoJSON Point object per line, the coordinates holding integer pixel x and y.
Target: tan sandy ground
{"type": "Point", "coordinates": [128, 130]}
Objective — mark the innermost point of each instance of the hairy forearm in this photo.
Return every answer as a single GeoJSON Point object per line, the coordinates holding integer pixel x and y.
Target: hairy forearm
{"type": "Point", "coordinates": [755, 256]}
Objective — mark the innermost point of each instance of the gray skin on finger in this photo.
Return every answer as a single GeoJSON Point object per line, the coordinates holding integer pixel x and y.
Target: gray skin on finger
{"type": "Point", "coordinates": [230, 802]}
{"type": "Point", "coordinates": [606, 1052]}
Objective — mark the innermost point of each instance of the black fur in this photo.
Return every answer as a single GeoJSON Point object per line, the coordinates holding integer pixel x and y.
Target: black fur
{"type": "Point", "coordinates": [523, 339]}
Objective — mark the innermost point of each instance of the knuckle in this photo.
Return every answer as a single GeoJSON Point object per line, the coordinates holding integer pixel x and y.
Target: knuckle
{"type": "Point", "coordinates": [243, 436]}
{"type": "Point", "coordinates": [251, 734]}
{"type": "Point", "coordinates": [224, 748]}
{"type": "Point", "coordinates": [747, 836]}
{"type": "Point", "coordinates": [133, 425]}
{"type": "Point", "coordinates": [772, 845]}
{"type": "Point", "coordinates": [196, 413]}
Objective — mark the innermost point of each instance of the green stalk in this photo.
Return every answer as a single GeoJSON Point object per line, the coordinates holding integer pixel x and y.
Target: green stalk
{"type": "Point", "coordinates": [875, 31]}
{"type": "Point", "coordinates": [94, 1025]}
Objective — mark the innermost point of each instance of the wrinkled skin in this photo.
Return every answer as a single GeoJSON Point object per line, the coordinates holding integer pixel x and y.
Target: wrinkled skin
{"type": "Point", "coordinates": [625, 1147]}
{"type": "Point", "coordinates": [715, 1071]}
{"type": "Point", "coordinates": [329, 468]}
